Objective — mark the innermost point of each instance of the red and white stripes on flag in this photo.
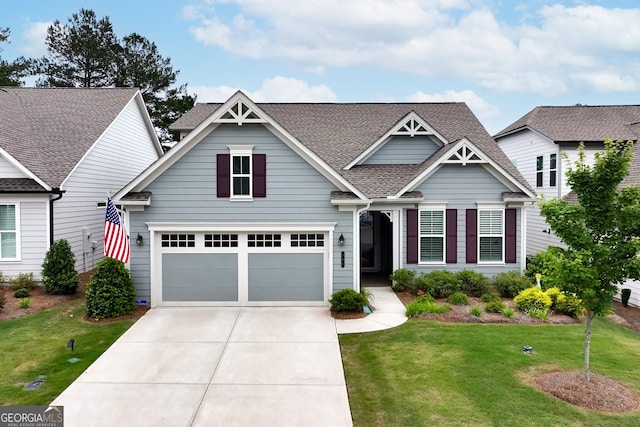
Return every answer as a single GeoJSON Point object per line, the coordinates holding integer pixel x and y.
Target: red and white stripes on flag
{"type": "Point", "coordinates": [116, 241]}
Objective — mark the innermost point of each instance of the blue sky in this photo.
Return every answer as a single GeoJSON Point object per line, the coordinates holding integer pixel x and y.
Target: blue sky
{"type": "Point", "coordinates": [501, 57]}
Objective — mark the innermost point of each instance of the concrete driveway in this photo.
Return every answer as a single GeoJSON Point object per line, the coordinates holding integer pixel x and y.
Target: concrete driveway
{"type": "Point", "coordinates": [200, 366]}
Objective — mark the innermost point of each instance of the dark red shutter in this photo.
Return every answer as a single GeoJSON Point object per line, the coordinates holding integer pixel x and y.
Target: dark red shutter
{"type": "Point", "coordinates": [223, 176]}
{"type": "Point", "coordinates": [452, 236]}
{"type": "Point", "coordinates": [472, 236]}
{"type": "Point", "coordinates": [412, 236]}
{"type": "Point", "coordinates": [259, 175]}
{"type": "Point", "coordinates": [510, 236]}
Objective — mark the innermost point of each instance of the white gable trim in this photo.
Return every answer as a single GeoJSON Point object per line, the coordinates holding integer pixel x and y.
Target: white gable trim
{"type": "Point", "coordinates": [410, 125]}
{"type": "Point", "coordinates": [137, 98]}
{"type": "Point", "coordinates": [452, 156]}
{"type": "Point", "coordinates": [249, 113]}
{"type": "Point", "coordinates": [16, 164]}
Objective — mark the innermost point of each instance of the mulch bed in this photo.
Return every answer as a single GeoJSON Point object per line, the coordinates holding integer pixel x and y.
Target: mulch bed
{"type": "Point", "coordinates": [601, 393]}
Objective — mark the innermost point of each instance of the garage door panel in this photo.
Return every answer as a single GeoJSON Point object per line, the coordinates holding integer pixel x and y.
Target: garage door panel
{"type": "Point", "coordinates": [286, 277]}
{"type": "Point", "coordinates": [199, 277]}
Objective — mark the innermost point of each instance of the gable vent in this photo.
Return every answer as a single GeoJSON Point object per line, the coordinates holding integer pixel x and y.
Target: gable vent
{"type": "Point", "coordinates": [464, 155]}
{"type": "Point", "coordinates": [412, 127]}
{"type": "Point", "coordinates": [240, 113]}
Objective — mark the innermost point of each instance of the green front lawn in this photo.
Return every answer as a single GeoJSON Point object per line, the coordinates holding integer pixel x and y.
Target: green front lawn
{"type": "Point", "coordinates": [425, 373]}
{"type": "Point", "coordinates": [36, 345]}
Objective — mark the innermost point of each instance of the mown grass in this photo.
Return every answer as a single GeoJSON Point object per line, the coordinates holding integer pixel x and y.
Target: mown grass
{"type": "Point", "coordinates": [36, 345]}
{"type": "Point", "coordinates": [425, 373]}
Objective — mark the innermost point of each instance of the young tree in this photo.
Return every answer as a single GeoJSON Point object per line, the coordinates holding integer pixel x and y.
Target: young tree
{"type": "Point", "coordinates": [601, 231]}
{"type": "Point", "coordinates": [11, 73]}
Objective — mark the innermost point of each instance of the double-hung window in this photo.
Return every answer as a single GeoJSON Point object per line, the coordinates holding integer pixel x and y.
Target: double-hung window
{"type": "Point", "coordinates": [491, 235]}
{"type": "Point", "coordinates": [539, 171]}
{"type": "Point", "coordinates": [241, 172]}
{"type": "Point", "coordinates": [553, 170]}
{"type": "Point", "coordinates": [8, 232]}
{"type": "Point", "coordinates": [432, 236]}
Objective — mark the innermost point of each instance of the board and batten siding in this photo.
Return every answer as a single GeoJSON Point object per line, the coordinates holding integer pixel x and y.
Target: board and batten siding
{"type": "Point", "coordinates": [404, 150]}
{"type": "Point", "coordinates": [461, 188]}
{"type": "Point", "coordinates": [186, 192]}
{"type": "Point", "coordinates": [123, 151]}
{"type": "Point", "coordinates": [33, 223]}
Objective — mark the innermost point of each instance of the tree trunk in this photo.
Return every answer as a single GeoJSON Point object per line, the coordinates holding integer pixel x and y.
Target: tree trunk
{"type": "Point", "coordinates": [587, 347]}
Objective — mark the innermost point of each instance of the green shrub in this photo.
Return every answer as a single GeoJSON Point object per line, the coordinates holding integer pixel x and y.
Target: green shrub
{"type": "Point", "coordinates": [438, 283]}
{"type": "Point", "coordinates": [21, 293]}
{"type": "Point", "coordinates": [110, 291]}
{"type": "Point", "coordinates": [347, 300]}
{"type": "Point", "coordinates": [538, 313]}
{"type": "Point", "coordinates": [473, 283]}
{"type": "Point", "coordinates": [23, 280]}
{"type": "Point", "coordinates": [476, 311]}
{"type": "Point", "coordinates": [24, 303]}
{"type": "Point", "coordinates": [458, 298]}
{"type": "Point", "coordinates": [508, 312]}
{"type": "Point", "coordinates": [542, 263]}
{"type": "Point", "coordinates": [427, 307]}
{"type": "Point", "coordinates": [532, 297]}
{"type": "Point", "coordinates": [59, 275]}
{"type": "Point", "coordinates": [403, 279]}
{"type": "Point", "coordinates": [554, 293]}
{"type": "Point", "coordinates": [490, 296]}
{"type": "Point", "coordinates": [510, 283]}
{"type": "Point", "coordinates": [570, 305]}
{"type": "Point", "coordinates": [495, 306]}
{"type": "Point", "coordinates": [424, 298]}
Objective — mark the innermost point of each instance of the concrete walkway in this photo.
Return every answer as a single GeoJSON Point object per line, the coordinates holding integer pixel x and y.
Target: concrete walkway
{"type": "Point", "coordinates": [220, 366]}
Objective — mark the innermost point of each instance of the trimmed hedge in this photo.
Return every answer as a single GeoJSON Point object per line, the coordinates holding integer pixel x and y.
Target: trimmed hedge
{"type": "Point", "coordinates": [110, 291]}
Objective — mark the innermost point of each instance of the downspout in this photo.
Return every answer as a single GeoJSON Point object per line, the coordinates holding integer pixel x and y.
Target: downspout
{"type": "Point", "coordinates": [59, 193]}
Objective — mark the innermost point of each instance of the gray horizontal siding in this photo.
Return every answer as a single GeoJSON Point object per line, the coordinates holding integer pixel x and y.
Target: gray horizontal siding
{"type": "Point", "coordinates": [122, 153]}
{"type": "Point", "coordinates": [186, 192]}
{"type": "Point", "coordinates": [404, 150]}
{"type": "Point", "coordinates": [462, 187]}
{"type": "Point", "coordinates": [34, 238]}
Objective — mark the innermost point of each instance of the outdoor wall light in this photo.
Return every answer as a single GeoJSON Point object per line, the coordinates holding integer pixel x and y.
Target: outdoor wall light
{"type": "Point", "coordinates": [139, 240]}
{"type": "Point", "coordinates": [341, 240]}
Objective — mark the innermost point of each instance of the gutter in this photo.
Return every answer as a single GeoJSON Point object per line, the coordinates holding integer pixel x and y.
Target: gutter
{"type": "Point", "coordinates": [59, 193]}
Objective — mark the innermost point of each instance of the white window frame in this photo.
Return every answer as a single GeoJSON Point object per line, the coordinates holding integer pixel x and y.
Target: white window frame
{"type": "Point", "coordinates": [540, 172]}
{"type": "Point", "coordinates": [443, 235]}
{"type": "Point", "coordinates": [18, 249]}
{"type": "Point", "coordinates": [240, 151]}
{"type": "Point", "coordinates": [553, 171]}
{"type": "Point", "coordinates": [491, 233]}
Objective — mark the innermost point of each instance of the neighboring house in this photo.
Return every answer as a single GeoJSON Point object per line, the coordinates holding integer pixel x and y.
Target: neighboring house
{"type": "Point", "coordinates": [283, 204]}
{"type": "Point", "coordinates": [537, 142]}
{"type": "Point", "coordinates": [61, 151]}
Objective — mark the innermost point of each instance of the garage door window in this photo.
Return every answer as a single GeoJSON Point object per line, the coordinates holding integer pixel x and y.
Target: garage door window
{"type": "Point", "coordinates": [220, 240]}
{"type": "Point", "coordinates": [307, 240]}
{"type": "Point", "coordinates": [178, 240]}
{"type": "Point", "coordinates": [264, 240]}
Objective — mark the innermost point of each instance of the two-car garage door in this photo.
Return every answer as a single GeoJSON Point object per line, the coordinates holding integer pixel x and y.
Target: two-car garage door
{"type": "Point", "coordinates": [243, 268]}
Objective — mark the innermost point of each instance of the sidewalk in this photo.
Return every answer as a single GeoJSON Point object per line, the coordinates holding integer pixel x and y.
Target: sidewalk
{"type": "Point", "coordinates": [388, 312]}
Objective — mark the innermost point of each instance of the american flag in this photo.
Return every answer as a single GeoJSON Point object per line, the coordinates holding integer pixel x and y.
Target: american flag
{"type": "Point", "coordinates": [116, 241]}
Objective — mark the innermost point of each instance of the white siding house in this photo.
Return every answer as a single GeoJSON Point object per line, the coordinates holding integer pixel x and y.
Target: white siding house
{"type": "Point", "coordinates": [61, 151]}
{"type": "Point", "coordinates": [545, 141]}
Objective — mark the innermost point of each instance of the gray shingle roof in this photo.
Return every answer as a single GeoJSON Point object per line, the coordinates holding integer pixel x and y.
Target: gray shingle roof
{"type": "Point", "coordinates": [580, 123]}
{"type": "Point", "coordinates": [338, 133]}
{"type": "Point", "coordinates": [20, 185]}
{"type": "Point", "coordinates": [48, 130]}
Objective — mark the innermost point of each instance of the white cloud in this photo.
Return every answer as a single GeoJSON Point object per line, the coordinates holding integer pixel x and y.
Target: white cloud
{"type": "Point", "coordinates": [277, 89]}
{"type": "Point", "coordinates": [35, 35]}
{"type": "Point", "coordinates": [481, 108]}
{"type": "Point", "coordinates": [548, 50]}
